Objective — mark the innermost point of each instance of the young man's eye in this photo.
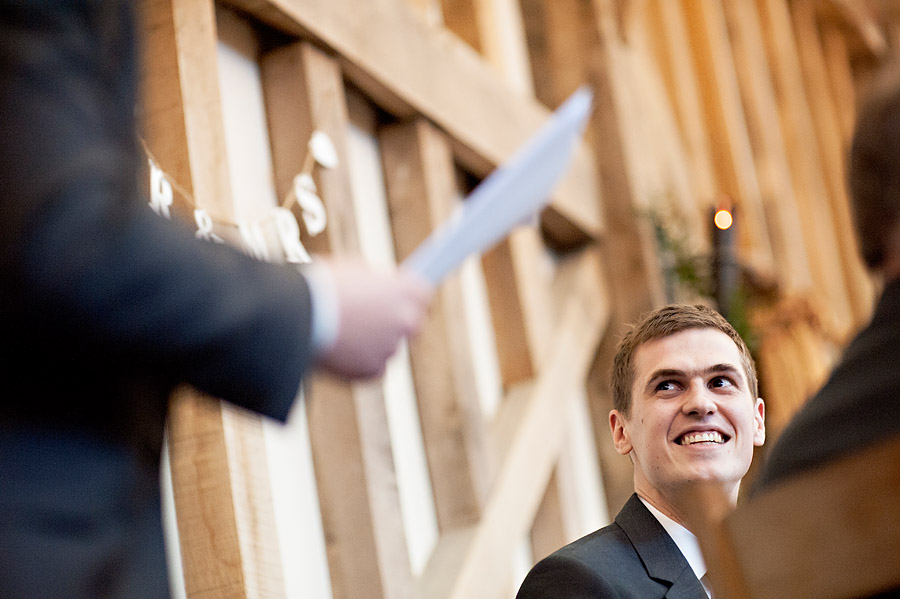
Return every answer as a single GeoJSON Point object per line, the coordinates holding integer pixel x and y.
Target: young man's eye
{"type": "Point", "coordinates": [721, 381]}
{"type": "Point", "coordinates": [666, 386]}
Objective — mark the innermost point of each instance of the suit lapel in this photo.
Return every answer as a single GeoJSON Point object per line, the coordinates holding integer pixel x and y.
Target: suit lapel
{"type": "Point", "coordinates": [687, 586]}
{"type": "Point", "coordinates": [658, 552]}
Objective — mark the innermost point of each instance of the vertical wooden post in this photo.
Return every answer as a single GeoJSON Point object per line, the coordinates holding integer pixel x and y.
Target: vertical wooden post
{"type": "Point", "coordinates": [732, 155]}
{"type": "Point", "coordinates": [494, 29]}
{"type": "Point", "coordinates": [634, 279]}
{"type": "Point", "coordinates": [668, 30]}
{"type": "Point", "coordinates": [219, 473]}
{"type": "Point", "coordinates": [789, 241]}
{"type": "Point", "coordinates": [802, 152]}
{"type": "Point", "coordinates": [421, 192]}
{"type": "Point", "coordinates": [840, 73]}
{"type": "Point", "coordinates": [304, 92]}
{"type": "Point", "coordinates": [832, 156]}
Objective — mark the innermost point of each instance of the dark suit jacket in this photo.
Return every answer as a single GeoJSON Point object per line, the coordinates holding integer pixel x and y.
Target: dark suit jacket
{"type": "Point", "coordinates": [859, 405]}
{"type": "Point", "coordinates": [632, 558]}
{"type": "Point", "coordinates": [104, 308]}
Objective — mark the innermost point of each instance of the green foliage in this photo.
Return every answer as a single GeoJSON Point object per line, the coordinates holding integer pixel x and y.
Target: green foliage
{"type": "Point", "coordinates": [689, 274]}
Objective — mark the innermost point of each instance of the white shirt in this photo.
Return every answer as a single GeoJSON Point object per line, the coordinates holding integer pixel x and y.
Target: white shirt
{"type": "Point", "coordinates": [684, 539]}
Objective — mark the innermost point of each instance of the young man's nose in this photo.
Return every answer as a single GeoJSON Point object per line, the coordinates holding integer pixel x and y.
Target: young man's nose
{"type": "Point", "coordinates": [699, 401]}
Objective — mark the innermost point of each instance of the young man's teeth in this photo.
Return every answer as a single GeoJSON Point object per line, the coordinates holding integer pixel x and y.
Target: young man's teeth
{"type": "Point", "coordinates": [710, 437]}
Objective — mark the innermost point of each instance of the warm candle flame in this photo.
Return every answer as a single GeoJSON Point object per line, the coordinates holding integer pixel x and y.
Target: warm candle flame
{"type": "Point", "coordinates": [723, 219]}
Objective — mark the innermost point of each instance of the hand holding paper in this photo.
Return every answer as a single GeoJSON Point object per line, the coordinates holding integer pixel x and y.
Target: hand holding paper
{"type": "Point", "coordinates": [508, 197]}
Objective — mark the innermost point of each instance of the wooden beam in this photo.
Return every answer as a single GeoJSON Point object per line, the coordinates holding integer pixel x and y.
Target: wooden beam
{"type": "Point", "coordinates": [668, 32]}
{"type": "Point", "coordinates": [635, 280]}
{"type": "Point", "coordinates": [357, 492]}
{"type": "Point", "coordinates": [840, 73]}
{"type": "Point", "coordinates": [634, 276]}
{"type": "Point", "coordinates": [561, 48]}
{"type": "Point", "coordinates": [667, 187]}
{"type": "Point", "coordinates": [205, 512]}
{"type": "Point", "coordinates": [421, 189]}
{"type": "Point", "coordinates": [790, 243]}
{"type": "Point", "coordinates": [727, 127]}
{"type": "Point", "coordinates": [521, 308]}
{"type": "Point", "coordinates": [430, 11]}
{"type": "Point", "coordinates": [162, 110]}
{"type": "Point", "coordinates": [398, 71]}
{"type": "Point", "coordinates": [200, 157]}
{"type": "Point", "coordinates": [860, 24]}
{"type": "Point", "coordinates": [832, 154]}
{"type": "Point", "coordinates": [219, 473]}
{"type": "Point", "coordinates": [810, 190]}
{"type": "Point", "coordinates": [503, 44]}
{"type": "Point", "coordinates": [524, 474]}
{"type": "Point", "coordinates": [547, 534]}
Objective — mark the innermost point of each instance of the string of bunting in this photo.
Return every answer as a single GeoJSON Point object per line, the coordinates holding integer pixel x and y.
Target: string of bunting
{"type": "Point", "coordinates": [303, 192]}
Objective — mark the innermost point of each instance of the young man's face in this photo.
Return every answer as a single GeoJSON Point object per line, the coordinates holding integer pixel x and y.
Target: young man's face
{"type": "Point", "coordinates": [692, 416]}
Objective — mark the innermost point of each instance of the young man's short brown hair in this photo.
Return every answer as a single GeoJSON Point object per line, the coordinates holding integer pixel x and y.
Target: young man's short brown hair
{"type": "Point", "coordinates": [663, 322]}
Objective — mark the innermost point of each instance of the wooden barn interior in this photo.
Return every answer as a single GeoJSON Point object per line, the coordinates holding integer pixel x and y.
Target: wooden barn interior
{"type": "Point", "coordinates": [486, 445]}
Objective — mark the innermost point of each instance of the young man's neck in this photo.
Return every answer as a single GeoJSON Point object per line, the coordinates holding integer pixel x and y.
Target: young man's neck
{"type": "Point", "coordinates": [692, 501]}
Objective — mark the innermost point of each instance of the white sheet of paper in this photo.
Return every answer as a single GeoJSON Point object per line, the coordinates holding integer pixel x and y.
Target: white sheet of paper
{"type": "Point", "coordinates": [510, 196]}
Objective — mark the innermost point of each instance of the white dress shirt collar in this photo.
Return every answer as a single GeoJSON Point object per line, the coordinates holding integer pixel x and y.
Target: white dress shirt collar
{"type": "Point", "coordinates": [684, 539]}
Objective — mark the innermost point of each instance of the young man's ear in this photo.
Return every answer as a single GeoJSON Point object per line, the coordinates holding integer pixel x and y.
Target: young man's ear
{"type": "Point", "coordinates": [759, 417]}
{"type": "Point", "coordinates": [620, 435]}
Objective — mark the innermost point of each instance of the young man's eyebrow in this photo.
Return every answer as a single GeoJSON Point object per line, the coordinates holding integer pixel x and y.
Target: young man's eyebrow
{"type": "Point", "coordinates": [725, 368]}
{"type": "Point", "coordinates": [664, 373]}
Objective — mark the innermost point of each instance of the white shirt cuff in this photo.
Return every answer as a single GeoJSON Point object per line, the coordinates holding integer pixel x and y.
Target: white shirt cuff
{"type": "Point", "coordinates": [324, 306]}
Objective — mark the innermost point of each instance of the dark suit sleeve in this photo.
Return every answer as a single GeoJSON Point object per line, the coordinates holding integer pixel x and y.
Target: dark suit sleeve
{"type": "Point", "coordinates": [562, 577]}
{"type": "Point", "coordinates": [85, 266]}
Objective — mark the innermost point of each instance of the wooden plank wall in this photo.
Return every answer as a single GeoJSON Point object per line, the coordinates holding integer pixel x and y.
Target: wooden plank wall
{"type": "Point", "coordinates": [698, 103]}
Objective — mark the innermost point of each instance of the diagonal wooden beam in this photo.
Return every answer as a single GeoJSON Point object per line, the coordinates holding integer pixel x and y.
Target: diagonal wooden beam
{"type": "Point", "coordinates": [486, 549]}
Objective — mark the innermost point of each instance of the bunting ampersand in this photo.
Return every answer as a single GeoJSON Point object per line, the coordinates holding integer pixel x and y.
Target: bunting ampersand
{"type": "Point", "coordinates": [303, 192]}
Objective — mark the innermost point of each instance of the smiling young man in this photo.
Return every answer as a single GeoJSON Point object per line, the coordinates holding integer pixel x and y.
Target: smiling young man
{"type": "Point", "coordinates": [686, 411]}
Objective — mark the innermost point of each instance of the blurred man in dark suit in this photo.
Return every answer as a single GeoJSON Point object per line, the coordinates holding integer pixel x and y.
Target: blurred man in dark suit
{"type": "Point", "coordinates": [105, 308]}
{"type": "Point", "coordinates": [858, 406]}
